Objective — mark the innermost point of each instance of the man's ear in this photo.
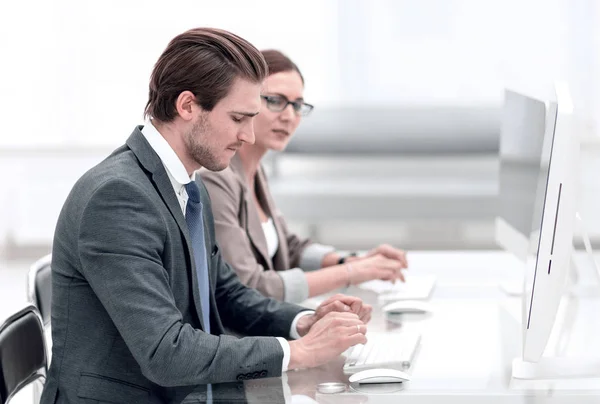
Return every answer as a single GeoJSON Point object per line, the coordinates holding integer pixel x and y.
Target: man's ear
{"type": "Point", "coordinates": [185, 104]}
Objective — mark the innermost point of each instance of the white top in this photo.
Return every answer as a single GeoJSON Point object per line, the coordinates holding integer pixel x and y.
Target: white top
{"type": "Point", "coordinates": [271, 236]}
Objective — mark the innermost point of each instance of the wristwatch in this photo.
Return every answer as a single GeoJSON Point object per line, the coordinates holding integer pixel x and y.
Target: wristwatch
{"type": "Point", "coordinates": [342, 260]}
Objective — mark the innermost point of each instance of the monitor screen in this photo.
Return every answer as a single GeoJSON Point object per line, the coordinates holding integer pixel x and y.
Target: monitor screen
{"type": "Point", "coordinates": [521, 143]}
{"type": "Point", "coordinates": [524, 156]}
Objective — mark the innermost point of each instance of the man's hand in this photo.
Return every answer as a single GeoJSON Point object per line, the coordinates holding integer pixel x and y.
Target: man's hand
{"type": "Point", "coordinates": [327, 339]}
{"type": "Point", "coordinates": [337, 303]}
{"type": "Point", "coordinates": [390, 252]}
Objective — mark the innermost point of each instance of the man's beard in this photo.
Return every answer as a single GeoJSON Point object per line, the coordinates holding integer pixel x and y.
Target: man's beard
{"type": "Point", "coordinates": [196, 141]}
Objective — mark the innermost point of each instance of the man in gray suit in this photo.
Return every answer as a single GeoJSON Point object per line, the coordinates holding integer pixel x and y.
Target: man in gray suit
{"type": "Point", "coordinates": [141, 294]}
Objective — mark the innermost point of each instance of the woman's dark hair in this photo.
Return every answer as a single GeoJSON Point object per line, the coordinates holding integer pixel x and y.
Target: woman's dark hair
{"type": "Point", "coordinates": [278, 62]}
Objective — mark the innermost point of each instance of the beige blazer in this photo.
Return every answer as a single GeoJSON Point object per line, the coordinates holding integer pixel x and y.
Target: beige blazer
{"type": "Point", "coordinates": [242, 241]}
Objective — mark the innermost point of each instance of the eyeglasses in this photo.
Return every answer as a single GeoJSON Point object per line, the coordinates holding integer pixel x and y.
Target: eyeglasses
{"type": "Point", "coordinates": [278, 103]}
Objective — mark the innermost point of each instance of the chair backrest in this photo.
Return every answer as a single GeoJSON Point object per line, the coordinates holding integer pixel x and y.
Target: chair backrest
{"type": "Point", "coordinates": [39, 286]}
{"type": "Point", "coordinates": [22, 352]}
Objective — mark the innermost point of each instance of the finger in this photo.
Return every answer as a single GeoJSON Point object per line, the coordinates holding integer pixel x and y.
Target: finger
{"type": "Point", "coordinates": [388, 274]}
{"type": "Point", "coordinates": [335, 306]}
{"type": "Point", "coordinates": [336, 320]}
{"type": "Point", "coordinates": [354, 339]}
{"type": "Point", "coordinates": [388, 263]}
{"type": "Point", "coordinates": [365, 310]}
{"type": "Point", "coordinates": [394, 253]}
{"type": "Point", "coordinates": [405, 259]}
{"type": "Point", "coordinates": [398, 276]}
{"type": "Point", "coordinates": [345, 318]}
{"type": "Point", "coordinates": [348, 300]}
{"type": "Point", "coordinates": [398, 255]}
{"type": "Point", "coordinates": [356, 307]}
{"type": "Point", "coordinates": [366, 318]}
{"type": "Point", "coordinates": [353, 329]}
{"type": "Point", "coordinates": [346, 326]}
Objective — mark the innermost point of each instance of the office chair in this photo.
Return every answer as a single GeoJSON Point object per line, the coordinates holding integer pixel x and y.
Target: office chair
{"type": "Point", "coordinates": [22, 352]}
{"type": "Point", "coordinates": [39, 287]}
{"type": "Point", "coordinates": [39, 293]}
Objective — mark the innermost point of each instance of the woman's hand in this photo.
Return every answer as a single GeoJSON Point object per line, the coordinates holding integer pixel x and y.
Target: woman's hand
{"type": "Point", "coordinates": [375, 266]}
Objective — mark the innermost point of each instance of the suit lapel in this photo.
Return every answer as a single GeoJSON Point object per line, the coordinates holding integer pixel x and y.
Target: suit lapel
{"type": "Point", "coordinates": [151, 162]}
{"type": "Point", "coordinates": [253, 226]}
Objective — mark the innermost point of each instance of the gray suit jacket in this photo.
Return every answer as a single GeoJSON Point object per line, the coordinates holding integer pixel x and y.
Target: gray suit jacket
{"type": "Point", "coordinates": [125, 307]}
{"type": "Point", "coordinates": [242, 240]}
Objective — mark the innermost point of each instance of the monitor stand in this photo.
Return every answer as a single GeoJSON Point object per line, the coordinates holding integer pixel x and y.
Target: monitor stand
{"type": "Point", "coordinates": [562, 367]}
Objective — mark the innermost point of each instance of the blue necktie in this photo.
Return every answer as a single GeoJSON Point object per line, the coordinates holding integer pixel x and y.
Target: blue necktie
{"type": "Point", "coordinates": [195, 222]}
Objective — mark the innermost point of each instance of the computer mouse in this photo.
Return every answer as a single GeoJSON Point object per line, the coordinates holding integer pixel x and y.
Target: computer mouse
{"type": "Point", "coordinates": [380, 375]}
{"type": "Point", "coordinates": [407, 306]}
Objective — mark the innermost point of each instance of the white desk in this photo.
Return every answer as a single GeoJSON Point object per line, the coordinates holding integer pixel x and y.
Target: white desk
{"type": "Point", "coordinates": [467, 346]}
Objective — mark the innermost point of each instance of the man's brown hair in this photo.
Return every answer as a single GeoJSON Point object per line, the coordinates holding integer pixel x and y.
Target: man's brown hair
{"type": "Point", "coordinates": [205, 61]}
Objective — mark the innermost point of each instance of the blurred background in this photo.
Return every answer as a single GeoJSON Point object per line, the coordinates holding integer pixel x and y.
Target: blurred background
{"type": "Point", "coordinates": [402, 146]}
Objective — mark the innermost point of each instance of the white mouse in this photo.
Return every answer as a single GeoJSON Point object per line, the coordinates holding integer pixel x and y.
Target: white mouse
{"type": "Point", "coordinates": [407, 306]}
{"type": "Point", "coordinates": [371, 376]}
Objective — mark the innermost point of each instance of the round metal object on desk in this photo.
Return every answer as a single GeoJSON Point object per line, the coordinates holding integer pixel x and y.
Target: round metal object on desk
{"type": "Point", "coordinates": [331, 388]}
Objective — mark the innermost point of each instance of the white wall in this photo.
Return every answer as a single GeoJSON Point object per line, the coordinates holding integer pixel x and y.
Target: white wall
{"type": "Point", "coordinates": [77, 72]}
{"type": "Point", "coordinates": [460, 51]}
{"type": "Point", "coordinates": [74, 74]}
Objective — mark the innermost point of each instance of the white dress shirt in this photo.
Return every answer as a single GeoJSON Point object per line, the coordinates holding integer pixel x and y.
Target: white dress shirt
{"type": "Point", "coordinates": [179, 177]}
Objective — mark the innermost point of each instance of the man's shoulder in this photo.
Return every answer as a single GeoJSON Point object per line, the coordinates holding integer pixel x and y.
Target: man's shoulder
{"type": "Point", "coordinates": [119, 176]}
{"type": "Point", "coordinates": [121, 167]}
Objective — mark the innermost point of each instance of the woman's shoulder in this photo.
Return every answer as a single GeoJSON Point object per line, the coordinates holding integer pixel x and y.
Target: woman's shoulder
{"type": "Point", "coordinates": [226, 179]}
{"type": "Point", "coordinates": [222, 175]}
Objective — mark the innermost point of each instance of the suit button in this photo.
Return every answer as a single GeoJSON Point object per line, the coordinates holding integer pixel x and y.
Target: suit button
{"type": "Point", "coordinates": [263, 373]}
{"type": "Point", "coordinates": [240, 377]}
{"type": "Point", "coordinates": [255, 375]}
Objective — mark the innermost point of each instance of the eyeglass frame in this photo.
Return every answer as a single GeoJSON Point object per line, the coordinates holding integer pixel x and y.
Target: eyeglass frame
{"type": "Point", "coordinates": [294, 104]}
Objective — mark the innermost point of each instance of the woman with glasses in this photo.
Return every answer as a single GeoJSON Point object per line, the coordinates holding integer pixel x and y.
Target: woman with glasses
{"type": "Point", "coordinates": [252, 233]}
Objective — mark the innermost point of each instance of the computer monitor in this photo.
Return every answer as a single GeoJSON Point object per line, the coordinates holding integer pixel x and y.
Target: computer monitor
{"type": "Point", "coordinates": [523, 130]}
{"type": "Point", "coordinates": [552, 227]}
{"type": "Point", "coordinates": [544, 173]}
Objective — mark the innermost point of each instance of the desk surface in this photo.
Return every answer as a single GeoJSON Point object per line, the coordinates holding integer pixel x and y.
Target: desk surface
{"type": "Point", "coordinates": [467, 346]}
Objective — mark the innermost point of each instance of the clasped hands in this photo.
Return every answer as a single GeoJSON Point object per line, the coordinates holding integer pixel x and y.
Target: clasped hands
{"type": "Point", "coordinates": [337, 324]}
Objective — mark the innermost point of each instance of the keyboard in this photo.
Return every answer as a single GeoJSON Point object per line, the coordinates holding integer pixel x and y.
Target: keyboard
{"type": "Point", "coordinates": [416, 287]}
{"type": "Point", "coordinates": [383, 350]}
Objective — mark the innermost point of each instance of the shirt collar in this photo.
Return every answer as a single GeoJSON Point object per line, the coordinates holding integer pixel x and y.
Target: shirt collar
{"type": "Point", "coordinates": [175, 168]}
